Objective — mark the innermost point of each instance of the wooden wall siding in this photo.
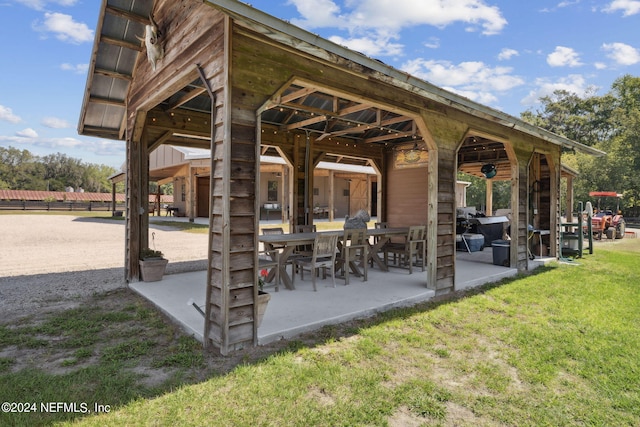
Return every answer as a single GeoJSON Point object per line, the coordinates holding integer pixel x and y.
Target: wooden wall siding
{"type": "Point", "coordinates": [523, 217]}
{"type": "Point", "coordinates": [447, 160]}
{"type": "Point", "coordinates": [137, 233]}
{"type": "Point", "coordinates": [407, 196]}
{"type": "Point", "coordinates": [165, 156]}
{"type": "Point", "coordinates": [193, 34]}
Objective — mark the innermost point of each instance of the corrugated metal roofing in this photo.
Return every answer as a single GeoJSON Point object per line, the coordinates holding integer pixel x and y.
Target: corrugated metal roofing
{"type": "Point", "coordinates": [113, 58]}
{"type": "Point", "coordinates": [61, 196]}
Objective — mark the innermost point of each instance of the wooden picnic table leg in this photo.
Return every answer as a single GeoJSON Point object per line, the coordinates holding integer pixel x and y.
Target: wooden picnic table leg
{"type": "Point", "coordinates": [373, 252]}
{"type": "Point", "coordinates": [284, 276]}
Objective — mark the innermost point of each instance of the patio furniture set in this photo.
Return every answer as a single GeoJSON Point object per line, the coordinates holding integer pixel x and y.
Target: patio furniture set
{"type": "Point", "coordinates": [349, 251]}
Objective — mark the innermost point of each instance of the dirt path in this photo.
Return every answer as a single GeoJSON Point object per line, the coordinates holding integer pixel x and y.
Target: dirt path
{"type": "Point", "coordinates": [52, 260]}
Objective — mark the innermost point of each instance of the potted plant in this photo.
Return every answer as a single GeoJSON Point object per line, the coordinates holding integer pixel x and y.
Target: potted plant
{"type": "Point", "coordinates": [263, 297]}
{"type": "Point", "coordinates": [152, 265]}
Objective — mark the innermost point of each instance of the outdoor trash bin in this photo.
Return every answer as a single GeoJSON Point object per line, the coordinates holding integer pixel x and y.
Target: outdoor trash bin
{"type": "Point", "coordinates": [475, 241]}
{"type": "Point", "coordinates": [501, 252]}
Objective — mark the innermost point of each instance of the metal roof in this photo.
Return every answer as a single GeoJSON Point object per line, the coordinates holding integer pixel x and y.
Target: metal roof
{"type": "Point", "coordinates": [301, 106]}
{"type": "Point", "coordinates": [66, 196]}
{"type": "Point", "coordinates": [113, 59]}
{"type": "Point", "coordinates": [191, 153]}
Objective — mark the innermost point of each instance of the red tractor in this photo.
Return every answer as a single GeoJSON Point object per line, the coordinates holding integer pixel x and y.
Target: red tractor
{"type": "Point", "coordinates": [606, 221]}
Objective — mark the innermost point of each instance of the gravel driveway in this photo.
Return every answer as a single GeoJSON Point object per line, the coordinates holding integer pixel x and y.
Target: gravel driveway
{"type": "Point", "coordinates": [53, 260]}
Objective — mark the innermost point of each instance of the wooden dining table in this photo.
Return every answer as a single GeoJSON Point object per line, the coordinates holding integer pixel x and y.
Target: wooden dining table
{"type": "Point", "coordinates": [288, 242]}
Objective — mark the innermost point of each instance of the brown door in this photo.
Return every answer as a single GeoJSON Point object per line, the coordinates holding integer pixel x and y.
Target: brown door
{"type": "Point", "coordinates": [202, 198]}
{"type": "Point", "coordinates": [358, 195]}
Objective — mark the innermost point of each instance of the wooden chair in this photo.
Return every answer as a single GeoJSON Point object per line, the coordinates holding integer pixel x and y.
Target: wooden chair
{"type": "Point", "coordinates": [269, 260]}
{"type": "Point", "coordinates": [324, 256]}
{"type": "Point", "coordinates": [379, 225]}
{"type": "Point", "coordinates": [275, 230]}
{"type": "Point", "coordinates": [354, 248]}
{"type": "Point", "coordinates": [414, 246]}
{"type": "Point", "coordinates": [305, 250]}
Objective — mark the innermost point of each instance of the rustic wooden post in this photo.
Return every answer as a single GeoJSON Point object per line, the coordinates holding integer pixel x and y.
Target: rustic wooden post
{"type": "Point", "coordinates": [113, 199]}
{"type": "Point", "coordinates": [488, 210]}
{"type": "Point", "coordinates": [231, 297]}
{"type": "Point", "coordinates": [137, 205]}
{"type": "Point", "coordinates": [569, 201]}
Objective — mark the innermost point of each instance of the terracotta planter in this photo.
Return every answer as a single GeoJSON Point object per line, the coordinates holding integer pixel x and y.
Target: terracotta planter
{"type": "Point", "coordinates": [152, 270]}
{"type": "Point", "coordinates": [263, 300]}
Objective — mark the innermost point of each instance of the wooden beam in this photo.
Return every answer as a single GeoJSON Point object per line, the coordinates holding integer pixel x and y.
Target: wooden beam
{"type": "Point", "coordinates": [130, 16]}
{"type": "Point", "coordinates": [113, 74]}
{"type": "Point", "coordinates": [304, 123]}
{"type": "Point", "coordinates": [158, 142]}
{"type": "Point", "coordinates": [105, 101]}
{"type": "Point", "coordinates": [121, 43]}
{"type": "Point", "coordinates": [285, 99]}
{"type": "Point", "coordinates": [194, 93]}
{"type": "Point", "coordinates": [181, 122]}
{"type": "Point", "coordinates": [389, 136]}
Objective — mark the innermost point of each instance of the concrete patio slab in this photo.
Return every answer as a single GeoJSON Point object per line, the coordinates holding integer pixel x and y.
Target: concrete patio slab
{"type": "Point", "coordinates": [293, 312]}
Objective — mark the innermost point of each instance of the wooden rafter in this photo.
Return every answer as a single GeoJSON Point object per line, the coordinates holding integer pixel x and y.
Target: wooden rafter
{"type": "Point", "coordinates": [285, 99]}
{"type": "Point", "coordinates": [130, 16]}
{"type": "Point", "coordinates": [303, 123]}
{"type": "Point", "coordinates": [113, 74]}
{"type": "Point", "coordinates": [389, 136]}
{"type": "Point", "coordinates": [193, 93]}
{"type": "Point", "coordinates": [121, 43]}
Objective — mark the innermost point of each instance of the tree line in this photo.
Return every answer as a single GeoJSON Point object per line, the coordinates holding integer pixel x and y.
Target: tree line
{"type": "Point", "coordinates": [610, 123]}
{"type": "Point", "coordinates": [22, 170]}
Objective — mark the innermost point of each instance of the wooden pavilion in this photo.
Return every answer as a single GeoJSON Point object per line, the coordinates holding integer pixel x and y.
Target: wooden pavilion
{"type": "Point", "coordinates": [235, 80]}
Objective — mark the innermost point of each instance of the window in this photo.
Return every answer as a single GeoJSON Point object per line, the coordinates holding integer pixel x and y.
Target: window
{"type": "Point", "coordinates": [272, 191]}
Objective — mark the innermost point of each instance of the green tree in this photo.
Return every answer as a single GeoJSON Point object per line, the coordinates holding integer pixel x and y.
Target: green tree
{"type": "Point", "coordinates": [610, 123]}
{"type": "Point", "coordinates": [21, 170]}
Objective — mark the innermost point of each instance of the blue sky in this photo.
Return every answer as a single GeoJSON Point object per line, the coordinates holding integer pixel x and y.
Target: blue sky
{"type": "Point", "coordinates": [502, 53]}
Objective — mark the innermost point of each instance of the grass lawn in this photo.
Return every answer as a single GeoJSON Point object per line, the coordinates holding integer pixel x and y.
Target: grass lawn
{"type": "Point", "coordinates": [559, 347]}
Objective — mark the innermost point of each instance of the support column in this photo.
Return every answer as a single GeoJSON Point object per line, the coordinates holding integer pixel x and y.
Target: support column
{"type": "Point", "coordinates": [332, 195]}
{"type": "Point", "coordinates": [569, 205]}
{"type": "Point", "coordinates": [488, 211]}
{"type": "Point", "coordinates": [137, 206]}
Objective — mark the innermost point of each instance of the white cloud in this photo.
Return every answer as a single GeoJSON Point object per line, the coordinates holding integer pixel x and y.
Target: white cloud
{"type": "Point", "coordinates": [388, 18]}
{"type": "Point", "coordinates": [317, 13]}
{"type": "Point", "coordinates": [506, 54]}
{"type": "Point", "coordinates": [78, 68]}
{"type": "Point", "coordinates": [65, 28]}
{"type": "Point", "coordinates": [55, 123]}
{"type": "Point", "coordinates": [375, 45]}
{"type": "Point", "coordinates": [574, 83]}
{"type": "Point", "coordinates": [621, 53]}
{"type": "Point", "coordinates": [41, 4]}
{"type": "Point", "coordinates": [474, 80]}
{"type": "Point", "coordinates": [567, 3]}
{"type": "Point", "coordinates": [628, 7]}
{"type": "Point", "coordinates": [73, 146]}
{"type": "Point", "coordinates": [7, 115]}
{"type": "Point", "coordinates": [66, 142]}
{"type": "Point", "coordinates": [27, 133]}
{"type": "Point", "coordinates": [432, 43]}
{"type": "Point", "coordinates": [600, 66]}
{"type": "Point", "coordinates": [564, 57]}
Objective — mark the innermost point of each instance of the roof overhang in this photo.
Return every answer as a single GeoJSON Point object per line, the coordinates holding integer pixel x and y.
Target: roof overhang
{"type": "Point", "coordinates": [116, 49]}
{"type": "Point", "coordinates": [315, 45]}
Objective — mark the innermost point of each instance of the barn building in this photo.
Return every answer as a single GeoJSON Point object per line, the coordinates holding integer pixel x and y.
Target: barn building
{"type": "Point", "coordinates": [231, 79]}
